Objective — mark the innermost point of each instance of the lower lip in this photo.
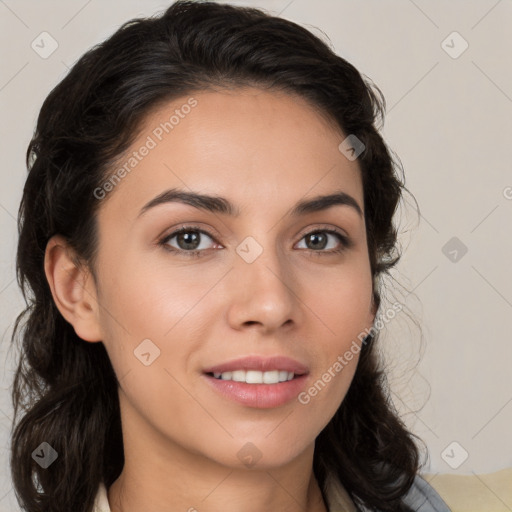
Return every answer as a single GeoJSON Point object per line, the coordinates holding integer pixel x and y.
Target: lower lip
{"type": "Point", "coordinates": [259, 396]}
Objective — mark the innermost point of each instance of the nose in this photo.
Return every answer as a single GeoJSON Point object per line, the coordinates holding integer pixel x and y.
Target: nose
{"type": "Point", "coordinates": [263, 293]}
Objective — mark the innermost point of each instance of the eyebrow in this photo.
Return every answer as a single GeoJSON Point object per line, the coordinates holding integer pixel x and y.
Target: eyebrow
{"type": "Point", "coordinates": [218, 204]}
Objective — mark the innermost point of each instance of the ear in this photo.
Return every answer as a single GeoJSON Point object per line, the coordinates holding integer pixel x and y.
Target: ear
{"type": "Point", "coordinates": [73, 289]}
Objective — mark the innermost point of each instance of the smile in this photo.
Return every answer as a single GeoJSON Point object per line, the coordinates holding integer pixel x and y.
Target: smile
{"type": "Point", "coordinates": [255, 376]}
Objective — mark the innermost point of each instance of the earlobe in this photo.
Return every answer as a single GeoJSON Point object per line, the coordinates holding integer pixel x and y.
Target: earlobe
{"type": "Point", "coordinates": [73, 289]}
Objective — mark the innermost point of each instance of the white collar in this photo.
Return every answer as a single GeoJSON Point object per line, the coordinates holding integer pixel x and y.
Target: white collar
{"type": "Point", "coordinates": [101, 501]}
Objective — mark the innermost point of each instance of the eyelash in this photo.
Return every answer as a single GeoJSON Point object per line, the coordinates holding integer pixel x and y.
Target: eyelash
{"type": "Point", "coordinates": [346, 243]}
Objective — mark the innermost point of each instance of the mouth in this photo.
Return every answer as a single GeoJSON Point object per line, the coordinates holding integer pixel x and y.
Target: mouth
{"type": "Point", "coordinates": [258, 382]}
{"type": "Point", "coordinates": [258, 367]}
{"type": "Point", "coordinates": [255, 376]}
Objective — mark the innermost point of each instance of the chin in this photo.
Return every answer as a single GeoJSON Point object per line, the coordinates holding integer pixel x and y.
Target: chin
{"type": "Point", "coordinates": [263, 453]}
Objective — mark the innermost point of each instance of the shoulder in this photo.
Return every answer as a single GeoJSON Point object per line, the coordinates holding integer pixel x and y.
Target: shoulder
{"type": "Point", "coordinates": [422, 497]}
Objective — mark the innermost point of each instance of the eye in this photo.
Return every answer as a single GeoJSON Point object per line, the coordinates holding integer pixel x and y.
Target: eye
{"type": "Point", "coordinates": [188, 239]}
{"type": "Point", "coordinates": [318, 240]}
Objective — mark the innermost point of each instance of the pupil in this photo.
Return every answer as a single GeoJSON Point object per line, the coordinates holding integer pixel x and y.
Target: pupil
{"type": "Point", "coordinates": [188, 239]}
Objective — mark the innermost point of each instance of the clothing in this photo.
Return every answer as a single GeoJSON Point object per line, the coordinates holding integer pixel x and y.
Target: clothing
{"type": "Point", "coordinates": [421, 497]}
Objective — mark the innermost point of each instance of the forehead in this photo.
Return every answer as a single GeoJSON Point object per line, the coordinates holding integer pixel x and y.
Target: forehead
{"type": "Point", "coordinates": [248, 144]}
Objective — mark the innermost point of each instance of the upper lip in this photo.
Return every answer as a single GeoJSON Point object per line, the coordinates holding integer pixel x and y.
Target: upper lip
{"type": "Point", "coordinates": [261, 364]}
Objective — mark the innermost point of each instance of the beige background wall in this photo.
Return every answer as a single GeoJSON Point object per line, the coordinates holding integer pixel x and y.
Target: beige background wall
{"type": "Point", "coordinates": [449, 120]}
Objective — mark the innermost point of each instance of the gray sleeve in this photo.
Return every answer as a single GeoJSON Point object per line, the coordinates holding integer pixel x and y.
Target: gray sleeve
{"type": "Point", "coordinates": [422, 497]}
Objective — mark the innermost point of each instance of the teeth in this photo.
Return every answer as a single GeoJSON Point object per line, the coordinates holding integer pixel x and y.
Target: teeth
{"type": "Point", "coordinates": [256, 377]}
{"type": "Point", "coordinates": [270, 377]}
{"type": "Point", "coordinates": [238, 376]}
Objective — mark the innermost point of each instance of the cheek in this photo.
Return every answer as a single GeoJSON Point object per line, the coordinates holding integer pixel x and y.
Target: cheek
{"type": "Point", "coordinates": [343, 308]}
{"type": "Point", "coordinates": [147, 299]}
{"type": "Point", "coordinates": [146, 314]}
{"type": "Point", "coordinates": [152, 314]}
{"type": "Point", "coordinates": [342, 302]}
{"type": "Point", "coordinates": [325, 393]}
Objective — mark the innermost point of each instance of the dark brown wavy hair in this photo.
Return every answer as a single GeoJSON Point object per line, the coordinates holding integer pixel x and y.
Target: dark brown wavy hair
{"type": "Point", "coordinates": [65, 391]}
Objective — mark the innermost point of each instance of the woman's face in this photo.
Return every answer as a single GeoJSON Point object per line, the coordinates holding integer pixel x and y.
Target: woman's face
{"type": "Point", "coordinates": [262, 286]}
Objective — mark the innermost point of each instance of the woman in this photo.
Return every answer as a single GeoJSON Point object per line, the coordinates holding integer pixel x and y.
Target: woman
{"type": "Point", "coordinates": [203, 229]}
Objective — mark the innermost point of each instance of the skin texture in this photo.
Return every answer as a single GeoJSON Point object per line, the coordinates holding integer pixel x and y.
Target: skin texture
{"type": "Point", "coordinates": [264, 151]}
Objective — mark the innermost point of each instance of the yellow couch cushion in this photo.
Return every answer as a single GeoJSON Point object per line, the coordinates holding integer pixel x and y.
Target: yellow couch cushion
{"type": "Point", "coordinates": [488, 492]}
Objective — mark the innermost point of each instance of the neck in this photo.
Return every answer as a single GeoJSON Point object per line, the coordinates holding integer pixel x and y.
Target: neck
{"type": "Point", "coordinates": [146, 483]}
{"type": "Point", "coordinates": [161, 474]}
{"type": "Point", "coordinates": [231, 492]}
